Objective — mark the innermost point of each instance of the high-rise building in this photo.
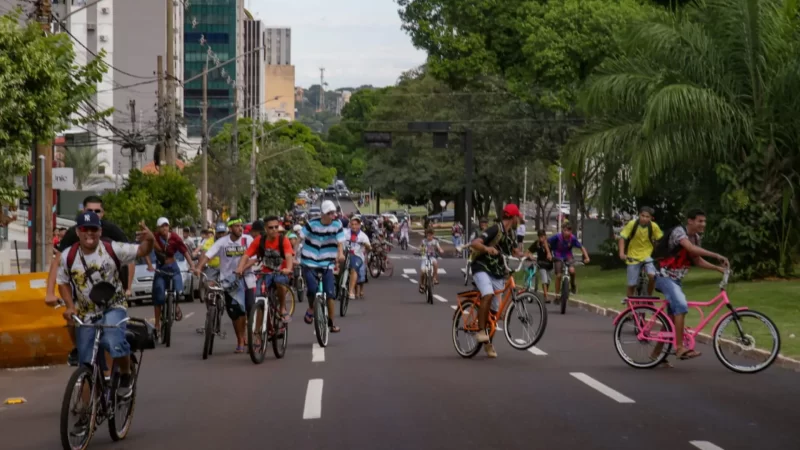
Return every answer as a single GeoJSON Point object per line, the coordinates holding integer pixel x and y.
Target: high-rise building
{"type": "Point", "coordinates": [280, 94]}
{"type": "Point", "coordinates": [279, 46]}
{"type": "Point", "coordinates": [213, 31]}
{"type": "Point", "coordinates": [254, 77]}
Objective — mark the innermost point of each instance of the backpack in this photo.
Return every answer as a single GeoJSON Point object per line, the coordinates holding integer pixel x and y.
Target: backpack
{"type": "Point", "coordinates": [73, 253]}
{"type": "Point", "coordinates": [633, 233]}
{"type": "Point", "coordinates": [661, 248]}
{"type": "Point", "coordinates": [262, 247]}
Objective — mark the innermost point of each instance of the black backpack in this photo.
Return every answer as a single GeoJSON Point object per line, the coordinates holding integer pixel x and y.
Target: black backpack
{"type": "Point", "coordinates": [661, 248]}
{"type": "Point", "coordinates": [633, 233]}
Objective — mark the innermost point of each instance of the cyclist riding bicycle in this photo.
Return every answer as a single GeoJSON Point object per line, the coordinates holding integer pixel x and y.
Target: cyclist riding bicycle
{"type": "Point", "coordinates": [359, 245]}
{"type": "Point", "coordinates": [562, 244]}
{"type": "Point", "coordinates": [429, 247]}
{"type": "Point", "coordinates": [636, 241]}
{"type": "Point", "coordinates": [544, 259]}
{"type": "Point", "coordinates": [230, 249]}
{"type": "Point", "coordinates": [275, 252]}
{"type": "Point", "coordinates": [404, 228]}
{"type": "Point", "coordinates": [489, 269]}
{"type": "Point", "coordinates": [167, 245]}
{"type": "Point", "coordinates": [323, 239]}
{"type": "Point", "coordinates": [91, 267]}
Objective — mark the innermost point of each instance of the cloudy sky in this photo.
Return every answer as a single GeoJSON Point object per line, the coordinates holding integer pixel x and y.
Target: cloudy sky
{"type": "Point", "coordinates": [357, 41]}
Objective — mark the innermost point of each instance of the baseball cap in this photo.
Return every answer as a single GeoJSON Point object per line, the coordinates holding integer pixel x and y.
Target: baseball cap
{"type": "Point", "coordinates": [328, 207]}
{"type": "Point", "coordinates": [511, 210]}
{"type": "Point", "coordinates": [357, 218]}
{"type": "Point", "coordinates": [297, 228]}
{"type": "Point", "coordinates": [221, 227]}
{"type": "Point", "coordinates": [162, 221]}
{"type": "Point", "coordinates": [88, 219]}
{"type": "Point", "coordinates": [248, 228]}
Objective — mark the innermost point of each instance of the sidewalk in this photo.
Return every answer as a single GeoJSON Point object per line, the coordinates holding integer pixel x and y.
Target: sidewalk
{"type": "Point", "coordinates": [8, 255]}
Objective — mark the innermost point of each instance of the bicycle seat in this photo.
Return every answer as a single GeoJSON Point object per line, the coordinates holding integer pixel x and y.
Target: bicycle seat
{"type": "Point", "coordinates": [644, 297]}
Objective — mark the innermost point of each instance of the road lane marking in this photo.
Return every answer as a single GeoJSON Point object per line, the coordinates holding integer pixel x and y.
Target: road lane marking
{"type": "Point", "coordinates": [454, 306]}
{"type": "Point", "coordinates": [463, 270]}
{"type": "Point", "coordinates": [317, 352]}
{"type": "Point", "coordinates": [405, 276]}
{"type": "Point", "coordinates": [412, 280]}
{"type": "Point", "coordinates": [410, 271]}
{"type": "Point", "coordinates": [313, 406]}
{"type": "Point", "coordinates": [188, 315]}
{"type": "Point", "coordinates": [440, 298]}
{"type": "Point", "coordinates": [705, 445]}
{"type": "Point", "coordinates": [442, 271]}
{"type": "Point", "coordinates": [602, 388]}
{"type": "Point", "coordinates": [536, 351]}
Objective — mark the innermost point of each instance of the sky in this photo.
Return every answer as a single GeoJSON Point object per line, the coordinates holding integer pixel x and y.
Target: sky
{"type": "Point", "coordinates": [357, 41]}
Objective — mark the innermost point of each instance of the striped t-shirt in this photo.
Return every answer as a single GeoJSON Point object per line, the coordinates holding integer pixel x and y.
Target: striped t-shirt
{"type": "Point", "coordinates": [320, 242]}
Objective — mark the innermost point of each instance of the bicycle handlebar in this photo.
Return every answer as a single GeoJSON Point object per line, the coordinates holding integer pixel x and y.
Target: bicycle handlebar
{"type": "Point", "coordinates": [60, 303]}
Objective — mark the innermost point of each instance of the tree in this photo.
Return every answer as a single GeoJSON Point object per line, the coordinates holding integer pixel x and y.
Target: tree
{"type": "Point", "coordinates": [715, 102]}
{"type": "Point", "coordinates": [41, 88]}
{"type": "Point", "coordinates": [150, 196]}
{"type": "Point", "coordinates": [84, 162]}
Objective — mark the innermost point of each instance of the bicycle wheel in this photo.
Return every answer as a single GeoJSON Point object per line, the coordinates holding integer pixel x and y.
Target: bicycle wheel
{"type": "Point", "coordinates": [344, 301]}
{"type": "Point", "coordinates": [748, 340]}
{"type": "Point", "coordinates": [429, 288]}
{"type": "Point", "coordinates": [564, 294]}
{"type": "Point", "coordinates": [290, 299]}
{"type": "Point", "coordinates": [465, 324]}
{"type": "Point", "coordinates": [637, 318]}
{"type": "Point", "coordinates": [467, 273]}
{"type": "Point", "coordinates": [374, 266]}
{"type": "Point", "coordinates": [255, 330]}
{"type": "Point", "coordinates": [388, 267]}
{"type": "Point", "coordinates": [208, 341]}
{"type": "Point", "coordinates": [280, 338]}
{"type": "Point", "coordinates": [166, 325]}
{"type": "Point", "coordinates": [123, 407]}
{"type": "Point", "coordinates": [321, 320]}
{"type": "Point", "coordinates": [531, 314]}
{"type": "Point", "coordinates": [81, 381]}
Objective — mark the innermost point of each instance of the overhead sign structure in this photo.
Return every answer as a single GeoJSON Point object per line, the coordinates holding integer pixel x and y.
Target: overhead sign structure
{"type": "Point", "coordinates": [378, 139]}
{"type": "Point", "coordinates": [63, 178]}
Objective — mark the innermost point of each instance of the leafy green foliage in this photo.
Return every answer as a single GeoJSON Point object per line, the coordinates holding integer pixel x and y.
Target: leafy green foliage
{"type": "Point", "coordinates": [149, 196]}
{"type": "Point", "coordinates": [84, 162]}
{"type": "Point", "coordinates": [40, 89]}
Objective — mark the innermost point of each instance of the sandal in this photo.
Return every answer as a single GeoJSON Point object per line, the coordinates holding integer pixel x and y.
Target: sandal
{"type": "Point", "coordinates": [687, 355]}
{"type": "Point", "coordinates": [178, 314]}
{"type": "Point", "coordinates": [286, 317]}
{"type": "Point", "coordinates": [421, 290]}
{"type": "Point", "coordinates": [239, 349]}
{"type": "Point", "coordinates": [335, 329]}
{"type": "Point", "coordinates": [309, 318]}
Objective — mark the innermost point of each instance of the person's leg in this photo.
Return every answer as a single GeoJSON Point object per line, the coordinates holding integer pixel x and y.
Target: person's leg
{"type": "Point", "coordinates": [632, 278]}
{"type": "Point", "coordinates": [558, 270]}
{"type": "Point", "coordinates": [114, 342]}
{"type": "Point", "coordinates": [159, 297]}
{"type": "Point", "coordinates": [311, 292]}
{"type": "Point", "coordinates": [282, 281]}
{"type": "Point", "coordinates": [650, 269]}
{"type": "Point", "coordinates": [572, 279]}
{"type": "Point", "coordinates": [435, 270]}
{"type": "Point", "coordinates": [484, 283]}
{"type": "Point", "coordinates": [329, 286]}
{"type": "Point", "coordinates": [177, 284]}
{"type": "Point", "coordinates": [544, 278]}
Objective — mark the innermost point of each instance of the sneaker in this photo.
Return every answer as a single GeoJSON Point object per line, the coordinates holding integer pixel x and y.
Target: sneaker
{"type": "Point", "coordinates": [490, 351]}
{"type": "Point", "coordinates": [72, 358]}
{"type": "Point", "coordinates": [125, 388]}
{"type": "Point", "coordinates": [81, 427]}
{"type": "Point", "coordinates": [481, 337]}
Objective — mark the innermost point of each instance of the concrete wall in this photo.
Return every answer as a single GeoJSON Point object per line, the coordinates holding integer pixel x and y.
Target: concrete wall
{"type": "Point", "coordinates": [279, 83]}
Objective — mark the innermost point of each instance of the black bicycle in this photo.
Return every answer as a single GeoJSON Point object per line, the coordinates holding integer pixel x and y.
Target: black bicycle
{"type": "Point", "coordinates": [215, 305]}
{"type": "Point", "coordinates": [343, 283]}
{"type": "Point", "coordinates": [168, 309]}
{"type": "Point", "coordinates": [265, 324]}
{"type": "Point", "coordinates": [378, 261]}
{"type": "Point", "coordinates": [93, 398]}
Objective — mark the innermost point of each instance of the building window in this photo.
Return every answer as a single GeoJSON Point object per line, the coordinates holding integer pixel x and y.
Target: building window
{"type": "Point", "coordinates": [101, 170]}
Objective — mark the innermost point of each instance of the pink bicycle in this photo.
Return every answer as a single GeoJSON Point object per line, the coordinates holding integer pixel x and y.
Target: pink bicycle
{"type": "Point", "coordinates": [649, 323]}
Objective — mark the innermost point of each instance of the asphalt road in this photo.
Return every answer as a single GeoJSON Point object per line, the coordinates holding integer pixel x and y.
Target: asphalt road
{"type": "Point", "coordinates": [392, 380]}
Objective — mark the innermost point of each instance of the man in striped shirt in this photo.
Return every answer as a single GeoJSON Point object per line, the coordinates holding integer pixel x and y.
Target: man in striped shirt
{"type": "Point", "coordinates": [322, 248]}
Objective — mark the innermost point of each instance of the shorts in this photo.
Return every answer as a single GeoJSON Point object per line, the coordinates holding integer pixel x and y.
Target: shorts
{"type": "Point", "coordinates": [520, 238]}
{"type": "Point", "coordinates": [422, 264]}
{"type": "Point", "coordinates": [635, 269]}
{"type": "Point", "coordinates": [265, 280]}
{"type": "Point", "coordinates": [544, 276]}
{"type": "Point", "coordinates": [357, 264]}
{"type": "Point", "coordinates": [160, 283]}
{"type": "Point", "coordinates": [557, 264]}
{"type": "Point", "coordinates": [211, 272]}
{"type": "Point", "coordinates": [489, 285]}
{"type": "Point", "coordinates": [328, 283]}
{"type": "Point", "coordinates": [113, 339]}
{"type": "Point", "coordinates": [673, 292]}
{"type": "Point", "coordinates": [234, 307]}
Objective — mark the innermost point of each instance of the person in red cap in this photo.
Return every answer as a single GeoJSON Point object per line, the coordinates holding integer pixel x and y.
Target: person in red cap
{"type": "Point", "coordinates": [488, 267]}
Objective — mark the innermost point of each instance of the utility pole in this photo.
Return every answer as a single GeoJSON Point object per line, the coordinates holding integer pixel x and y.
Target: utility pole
{"type": "Point", "coordinates": [321, 106]}
{"type": "Point", "coordinates": [171, 148]}
{"type": "Point", "coordinates": [43, 175]}
{"type": "Point", "coordinates": [235, 154]}
{"type": "Point", "coordinates": [253, 190]}
{"type": "Point", "coordinates": [159, 110]}
{"type": "Point", "coordinates": [132, 107]}
{"type": "Point", "coordinates": [204, 186]}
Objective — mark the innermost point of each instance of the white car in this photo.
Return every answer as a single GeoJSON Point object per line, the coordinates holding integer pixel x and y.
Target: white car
{"type": "Point", "coordinates": [391, 217]}
{"type": "Point", "coordinates": [141, 289]}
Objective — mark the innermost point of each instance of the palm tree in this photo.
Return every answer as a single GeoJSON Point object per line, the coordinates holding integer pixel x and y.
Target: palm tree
{"type": "Point", "coordinates": [710, 92]}
{"type": "Point", "coordinates": [85, 163]}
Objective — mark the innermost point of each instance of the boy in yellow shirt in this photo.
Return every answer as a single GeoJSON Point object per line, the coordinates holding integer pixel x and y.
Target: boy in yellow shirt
{"type": "Point", "coordinates": [635, 244]}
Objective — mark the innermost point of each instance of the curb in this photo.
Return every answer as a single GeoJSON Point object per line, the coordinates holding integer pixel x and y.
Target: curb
{"type": "Point", "coordinates": [781, 361]}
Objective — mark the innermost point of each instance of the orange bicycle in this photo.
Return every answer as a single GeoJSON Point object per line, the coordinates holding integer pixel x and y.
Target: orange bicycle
{"type": "Point", "coordinates": [523, 308]}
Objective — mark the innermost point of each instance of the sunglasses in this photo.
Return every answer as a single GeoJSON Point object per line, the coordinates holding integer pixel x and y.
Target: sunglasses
{"type": "Point", "coordinates": [274, 227]}
{"type": "Point", "coordinates": [96, 211]}
{"type": "Point", "coordinates": [87, 229]}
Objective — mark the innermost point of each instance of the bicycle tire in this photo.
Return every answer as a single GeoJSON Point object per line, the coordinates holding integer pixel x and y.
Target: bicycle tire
{"type": "Point", "coordinates": [167, 324]}
{"type": "Point", "coordinates": [535, 301]}
{"type": "Point", "coordinates": [321, 320]}
{"type": "Point", "coordinates": [81, 371]}
{"type": "Point", "coordinates": [257, 354]}
{"type": "Point", "coordinates": [466, 274]}
{"type": "Point", "coordinates": [388, 267]}
{"type": "Point", "coordinates": [290, 302]}
{"type": "Point", "coordinates": [344, 301]}
{"type": "Point", "coordinates": [618, 345]}
{"type": "Point", "coordinates": [374, 267]}
{"type": "Point", "coordinates": [466, 305]}
{"type": "Point", "coordinates": [117, 435]}
{"type": "Point", "coordinates": [208, 340]}
{"type": "Point", "coordinates": [564, 294]}
{"type": "Point", "coordinates": [718, 342]}
{"type": "Point", "coordinates": [429, 288]}
{"type": "Point", "coordinates": [279, 339]}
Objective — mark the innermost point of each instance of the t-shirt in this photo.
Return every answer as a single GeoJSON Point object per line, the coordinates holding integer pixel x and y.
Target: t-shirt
{"type": "Point", "coordinates": [404, 225]}
{"type": "Point", "coordinates": [206, 246]}
{"type": "Point", "coordinates": [677, 265]}
{"type": "Point", "coordinates": [191, 243]}
{"type": "Point", "coordinates": [103, 264]}
{"type": "Point", "coordinates": [641, 247]}
{"type": "Point", "coordinates": [110, 232]}
{"type": "Point", "coordinates": [493, 264]}
{"type": "Point", "coordinates": [230, 253]}
{"type": "Point", "coordinates": [521, 230]}
{"type": "Point", "coordinates": [561, 247]}
{"type": "Point", "coordinates": [431, 247]}
{"type": "Point", "coordinates": [538, 248]}
{"type": "Point", "coordinates": [357, 243]}
{"type": "Point", "coordinates": [272, 255]}
{"type": "Point", "coordinates": [320, 243]}
{"type": "Point", "coordinates": [167, 248]}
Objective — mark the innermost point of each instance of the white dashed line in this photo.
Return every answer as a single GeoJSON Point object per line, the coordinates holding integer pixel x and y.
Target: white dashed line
{"type": "Point", "coordinates": [313, 407]}
{"type": "Point", "coordinates": [188, 315]}
{"type": "Point", "coordinates": [454, 306]}
{"type": "Point", "coordinates": [317, 353]}
{"type": "Point", "coordinates": [405, 276]}
{"type": "Point", "coordinates": [410, 271]}
{"type": "Point", "coordinates": [534, 350]}
{"type": "Point", "coordinates": [412, 280]}
{"type": "Point", "coordinates": [442, 271]}
{"type": "Point", "coordinates": [463, 270]}
{"type": "Point", "coordinates": [440, 298]}
{"type": "Point", "coordinates": [602, 388]}
{"type": "Point", "coordinates": [705, 445]}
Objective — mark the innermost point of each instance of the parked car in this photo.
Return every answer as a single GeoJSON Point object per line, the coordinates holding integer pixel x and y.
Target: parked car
{"type": "Point", "coordinates": [446, 216]}
{"type": "Point", "coordinates": [330, 191]}
{"type": "Point", "coordinates": [141, 289]}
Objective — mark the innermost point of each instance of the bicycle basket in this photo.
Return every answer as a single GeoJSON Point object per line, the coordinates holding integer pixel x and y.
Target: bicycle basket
{"type": "Point", "coordinates": [140, 334]}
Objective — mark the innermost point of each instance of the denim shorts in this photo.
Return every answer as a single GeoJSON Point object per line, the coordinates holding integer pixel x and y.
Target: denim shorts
{"type": "Point", "coordinates": [112, 340]}
{"type": "Point", "coordinates": [634, 269]}
{"type": "Point", "coordinates": [265, 280]}
{"type": "Point", "coordinates": [160, 283]}
{"type": "Point", "coordinates": [488, 285]}
{"type": "Point", "coordinates": [357, 264]}
{"type": "Point", "coordinates": [674, 294]}
{"type": "Point", "coordinates": [328, 283]}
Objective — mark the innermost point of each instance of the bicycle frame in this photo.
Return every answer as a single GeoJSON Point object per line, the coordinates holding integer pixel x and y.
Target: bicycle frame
{"type": "Point", "coordinates": [509, 295]}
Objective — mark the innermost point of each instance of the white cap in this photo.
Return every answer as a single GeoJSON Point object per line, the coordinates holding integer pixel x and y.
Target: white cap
{"type": "Point", "coordinates": [328, 207]}
{"type": "Point", "coordinates": [297, 228]}
{"type": "Point", "coordinates": [162, 221]}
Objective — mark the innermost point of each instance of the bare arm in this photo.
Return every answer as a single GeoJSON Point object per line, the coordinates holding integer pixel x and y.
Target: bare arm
{"type": "Point", "coordinates": [50, 297]}
{"type": "Point", "coordinates": [131, 273]}
{"type": "Point", "coordinates": [145, 245]}
{"type": "Point", "coordinates": [621, 246]}
{"type": "Point", "coordinates": [201, 264]}
{"type": "Point", "coordinates": [65, 292]}
{"type": "Point", "coordinates": [700, 262]}
{"type": "Point", "coordinates": [699, 252]}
